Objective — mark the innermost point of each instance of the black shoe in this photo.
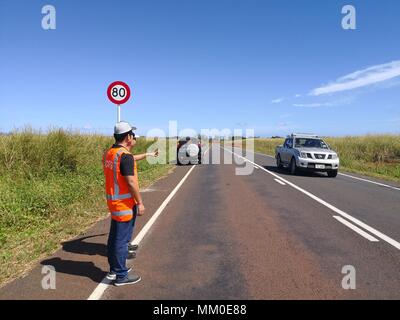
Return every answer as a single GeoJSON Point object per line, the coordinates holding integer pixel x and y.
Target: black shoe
{"type": "Point", "coordinates": [129, 279]}
{"type": "Point", "coordinates": [113, 276]}
{"type": "Point", "coordinates": [131, 255]}
{"type": "Point", "coordinates": [132, 247]}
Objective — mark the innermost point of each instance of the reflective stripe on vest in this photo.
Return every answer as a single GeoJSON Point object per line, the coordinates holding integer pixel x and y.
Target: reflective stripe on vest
{"type": "Point", "coordinates": [122, 213]}
{"type": "Point", "coordinates": [116, 195]}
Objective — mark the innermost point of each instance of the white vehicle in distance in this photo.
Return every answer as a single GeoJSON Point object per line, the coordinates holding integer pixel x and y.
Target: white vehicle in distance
{"type": "Point", "coordinates": [307, 152]}
{"type": "Point", "coordinates": [188, 151]}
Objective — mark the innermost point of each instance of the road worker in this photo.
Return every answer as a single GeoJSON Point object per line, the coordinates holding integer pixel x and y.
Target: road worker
{"type": "Point", "coordinates": [123, 199]}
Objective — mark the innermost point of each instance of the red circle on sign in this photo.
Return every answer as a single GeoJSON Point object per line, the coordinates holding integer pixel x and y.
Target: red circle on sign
{"type": "Point", "coordinates": [118, 84]}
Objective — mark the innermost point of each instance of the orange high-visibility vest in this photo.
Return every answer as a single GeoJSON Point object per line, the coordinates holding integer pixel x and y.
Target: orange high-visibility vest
{"type": "Point", "coordinates": [119, 199]}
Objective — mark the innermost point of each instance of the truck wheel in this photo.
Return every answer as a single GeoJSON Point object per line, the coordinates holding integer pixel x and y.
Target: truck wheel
{"type": "Point", "coordinates": [279, 162]}
{"type": "Point", "coordinates": [293, 166]}
{"type": "Point", "coordinates": [332, 174]}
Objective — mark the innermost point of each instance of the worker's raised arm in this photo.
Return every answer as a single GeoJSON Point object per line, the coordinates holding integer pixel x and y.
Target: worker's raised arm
{"type": "Point", "coordinates": [142, 156]}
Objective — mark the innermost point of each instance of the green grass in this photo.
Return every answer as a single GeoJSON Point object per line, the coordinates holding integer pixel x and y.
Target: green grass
{"type": "Point", "coordinates": [52, 189]}
{"type": "Point", "coordinates": [372, 155]}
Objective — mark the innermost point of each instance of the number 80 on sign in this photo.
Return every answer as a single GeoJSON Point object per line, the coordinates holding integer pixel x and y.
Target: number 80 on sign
{"type": "Point", "coordinates": [118, 92]}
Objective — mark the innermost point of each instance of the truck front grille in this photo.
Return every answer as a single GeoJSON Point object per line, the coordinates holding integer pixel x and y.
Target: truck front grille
{"type": "Point", "coordinates": [319, 156]}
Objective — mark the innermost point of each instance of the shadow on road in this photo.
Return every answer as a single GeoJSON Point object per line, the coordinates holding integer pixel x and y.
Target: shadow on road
{"type": "Point", "coordinates": [80, 268]}
{"type": "Point", "coordinates": [77, 268]}
{"type": "Point", "coordinates": [300, 173]}
{"type": "Point", "coordinates": [80, 246]}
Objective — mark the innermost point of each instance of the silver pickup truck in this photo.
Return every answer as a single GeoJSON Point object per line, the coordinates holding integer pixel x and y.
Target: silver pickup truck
{"type": "Point", "coordinates": [307, 152]}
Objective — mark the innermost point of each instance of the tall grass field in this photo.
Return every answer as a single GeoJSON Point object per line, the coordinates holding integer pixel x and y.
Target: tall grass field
{"type": "Point", "coordinates": [372, 155]}
{"type": "Point", "coordinates": [51, 189]}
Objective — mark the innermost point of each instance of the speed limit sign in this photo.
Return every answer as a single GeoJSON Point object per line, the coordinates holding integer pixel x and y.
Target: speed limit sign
{"type": "Point", "coordinates": [118, 92]}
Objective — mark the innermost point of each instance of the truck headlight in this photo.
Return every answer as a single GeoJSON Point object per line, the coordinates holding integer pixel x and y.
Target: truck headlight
{"type": "Point", "coordinates": [303, 155]}
{"type": "Point", "coordinates": [334, 156]}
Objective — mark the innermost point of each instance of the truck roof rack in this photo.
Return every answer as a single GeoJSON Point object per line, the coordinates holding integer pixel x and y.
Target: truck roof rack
{"type": "Point", "coordinates": [305, 135]}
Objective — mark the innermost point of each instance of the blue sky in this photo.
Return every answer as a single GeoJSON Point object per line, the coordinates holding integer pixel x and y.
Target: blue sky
{"type": "Point", "coordinates": [275, 66]}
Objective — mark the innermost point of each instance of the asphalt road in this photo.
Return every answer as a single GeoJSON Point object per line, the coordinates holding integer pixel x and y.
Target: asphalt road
{"type": "Point", "coordinates": [226, 236]}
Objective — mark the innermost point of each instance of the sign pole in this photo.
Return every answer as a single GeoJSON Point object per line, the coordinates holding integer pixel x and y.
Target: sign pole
{"type": "Point", "coordinates": [118, 113]}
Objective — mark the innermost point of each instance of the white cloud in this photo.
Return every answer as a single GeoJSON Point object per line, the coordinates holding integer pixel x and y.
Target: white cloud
{"type": "Point", "coordinates": [297, 96]}
{"type": "Point", "coordinates": [324, 104]}
{"type": "Point", "coordinates": [279, 100]}
{"type": "Point", "coordinates": [361, 78]}
{"type": "Point", "coordinates": [313, 105]}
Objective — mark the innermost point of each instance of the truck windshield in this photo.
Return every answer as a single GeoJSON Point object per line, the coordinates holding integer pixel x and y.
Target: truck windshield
{"type": "Point", "coordinates": [310, 143]}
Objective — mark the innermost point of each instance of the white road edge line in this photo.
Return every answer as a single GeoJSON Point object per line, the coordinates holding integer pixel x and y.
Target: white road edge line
{"type": "Point", "coordinates": [105, 283]}
{"type": "Point", "coordinates": [342, 174]}
{"type": "Point", "coordinates": [370, 181]}
{"type": "Point", "coordinates": [356, 229]}
{"type": "Point", "coordinates": [280, 182]}
{"type": "Point", "coordinates": [375, 232]}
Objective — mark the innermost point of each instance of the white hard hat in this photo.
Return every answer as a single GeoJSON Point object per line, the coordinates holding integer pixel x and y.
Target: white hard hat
{"type": "Point", "coordinates": [123, 127]}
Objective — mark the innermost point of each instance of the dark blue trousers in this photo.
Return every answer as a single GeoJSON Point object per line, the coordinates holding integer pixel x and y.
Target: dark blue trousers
{"type": "Point", "coordinates": [117, 245]}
